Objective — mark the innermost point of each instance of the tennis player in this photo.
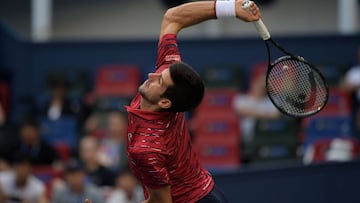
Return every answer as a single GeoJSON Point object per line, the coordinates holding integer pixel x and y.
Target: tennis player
{"type": "Point", "coordinates": [159, 147]}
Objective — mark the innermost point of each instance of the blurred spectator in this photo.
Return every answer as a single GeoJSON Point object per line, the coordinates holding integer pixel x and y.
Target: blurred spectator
{"type": "Point", "coordinates": [76, 189]}
{"type": "Point", "coordinates": [335, 149]}
{"type": "Point", "coordinates": [59, 105]}
{"type": "Point", "coordinates": [7, 139]}
{"type": "Point", "coordinates": [127, 189]}
{"type": "Point", "coordinates": [91, 126]}
{"type": "Point", "coordinates": [19, 185]}
{"type": "Point", "coordinates": [112, 150]}
{"type": "Point", "coordinates": [352, 84]}
{"type": "Point", "coordinates": [97, 174]}
{"type": "Point", "coordinates": [64, 104]}
{"type": "Point", "coordinates": [30, 143]}
{"type": "Point", "coordinates": [252, 106]}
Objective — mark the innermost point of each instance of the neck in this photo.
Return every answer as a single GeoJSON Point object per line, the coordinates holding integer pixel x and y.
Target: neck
{"type": "Point", "coordinates": [77, 189]}
{"type": "Point", "coordinates": [116, 137]}
{"type": "Point", "coordinates": [144, 105]}
{"type": "Point", "coordinates": [20, 182]}
{"type": "Point", "coordinates": [92, 165]}
{"type": "Point", "coordinates": [34, 143]}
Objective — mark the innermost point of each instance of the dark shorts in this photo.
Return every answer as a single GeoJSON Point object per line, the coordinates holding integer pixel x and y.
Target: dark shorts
{"type": "Point", "coordinates": [215, 196]}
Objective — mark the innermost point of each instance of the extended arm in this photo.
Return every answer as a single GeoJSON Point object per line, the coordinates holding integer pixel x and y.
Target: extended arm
{"type": "Point", "coordinates": [193, 13]}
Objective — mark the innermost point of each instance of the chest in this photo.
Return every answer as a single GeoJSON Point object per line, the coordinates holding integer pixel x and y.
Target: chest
{"type": "Point", "coordinates": [147, 136]}
{"type": "Point", "coordinates": [164, 136]}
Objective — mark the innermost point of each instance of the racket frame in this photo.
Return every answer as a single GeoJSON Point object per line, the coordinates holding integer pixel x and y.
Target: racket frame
{"type": "Point", "coordinates": [288, 56]}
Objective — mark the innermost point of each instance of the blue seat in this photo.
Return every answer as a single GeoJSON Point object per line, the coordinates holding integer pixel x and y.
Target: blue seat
{"type": "Point", "coordinates": [327, 127]}
{"type": "Point", "coordinates": [276, 127]}
{"type": "Point", "coordinates": [61, 131]}
{"type": "Point", "coordinates": [222, 76]}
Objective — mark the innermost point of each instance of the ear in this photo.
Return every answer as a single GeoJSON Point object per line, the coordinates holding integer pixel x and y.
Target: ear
{"type": "Point", "coordinates": [164, 103]}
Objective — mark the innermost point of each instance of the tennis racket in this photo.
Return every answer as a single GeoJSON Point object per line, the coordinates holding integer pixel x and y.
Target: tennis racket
{"type": "Point", "coordinates": [295, 87]}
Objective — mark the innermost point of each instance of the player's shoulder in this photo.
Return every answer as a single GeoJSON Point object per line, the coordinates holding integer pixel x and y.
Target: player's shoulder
{"type": "Point", "coordinates": [147, 151]}
{"type": "Point", "coordinates": [144, 156]}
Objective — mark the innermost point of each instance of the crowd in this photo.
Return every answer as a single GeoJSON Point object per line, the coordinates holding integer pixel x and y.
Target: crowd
{"type": "Point", "coordinates": [33, 170]}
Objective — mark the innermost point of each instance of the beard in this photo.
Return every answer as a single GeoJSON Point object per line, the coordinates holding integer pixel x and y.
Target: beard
{"type": "Point", "coordinates": [145, 94]}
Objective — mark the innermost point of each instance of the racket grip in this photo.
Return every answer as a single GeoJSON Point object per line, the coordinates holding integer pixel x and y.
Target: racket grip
{"type": "Point", "coordinates": [259, 25]}
{"type": "Point", "coordinates": [261, 28]}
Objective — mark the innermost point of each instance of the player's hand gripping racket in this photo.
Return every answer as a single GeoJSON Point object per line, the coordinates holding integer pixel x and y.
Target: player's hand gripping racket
{"type": "Point", "coordinates": [294, 86]}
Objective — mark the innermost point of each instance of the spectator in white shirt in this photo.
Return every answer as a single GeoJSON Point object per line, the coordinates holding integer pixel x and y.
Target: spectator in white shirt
{"type": "Point", "coordinates": [19, 185]}
{"type": "Point", "coordinates": [352, 84]}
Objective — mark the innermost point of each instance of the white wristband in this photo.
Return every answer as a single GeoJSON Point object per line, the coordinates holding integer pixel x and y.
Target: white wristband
{"type": "Point", "coordinates": [225, 8]}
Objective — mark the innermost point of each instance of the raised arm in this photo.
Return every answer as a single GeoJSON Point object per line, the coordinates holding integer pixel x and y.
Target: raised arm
{"type": "Point", "coordinates": [189, 14]}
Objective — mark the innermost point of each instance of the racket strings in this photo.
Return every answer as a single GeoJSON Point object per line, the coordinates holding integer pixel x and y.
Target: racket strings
{"type": "Point", "coordinates": [296, 88]}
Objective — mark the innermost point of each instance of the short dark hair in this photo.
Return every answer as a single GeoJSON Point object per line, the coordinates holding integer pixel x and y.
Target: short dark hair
{"type": "Point", "coordinates": [73, 165]}
{"type": "Point", "coordinates": [20, 158]}
{"type": "Point", "coordinates": [188, 89]}
{"type": "Point", "coordinates": [30, 121]}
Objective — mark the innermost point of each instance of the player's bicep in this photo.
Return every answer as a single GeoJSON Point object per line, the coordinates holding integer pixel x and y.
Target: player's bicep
{"type": "Point", "coordinates": [159, 195]}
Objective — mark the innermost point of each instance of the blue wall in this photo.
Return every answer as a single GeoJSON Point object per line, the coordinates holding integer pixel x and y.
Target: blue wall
{"type": "Point", "coordinates": [325, 183]}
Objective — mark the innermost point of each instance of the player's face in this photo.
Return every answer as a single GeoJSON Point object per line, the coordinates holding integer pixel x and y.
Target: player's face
{"type": "Point", "coordinates": [155, 86]}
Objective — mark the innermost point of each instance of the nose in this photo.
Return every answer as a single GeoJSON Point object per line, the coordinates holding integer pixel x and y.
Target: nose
{"type": "Point", "coordinates": [153, 75]}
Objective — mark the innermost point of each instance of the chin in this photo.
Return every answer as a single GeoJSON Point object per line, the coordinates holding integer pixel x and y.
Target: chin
{"type": "Point", "coordinates": [141, 89]}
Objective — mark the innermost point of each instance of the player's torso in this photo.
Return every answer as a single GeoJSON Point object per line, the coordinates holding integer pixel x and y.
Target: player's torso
{"type": "Point", "coordinates": [165, 137]}
{"type": "Point", "coordinates": [170, 138]}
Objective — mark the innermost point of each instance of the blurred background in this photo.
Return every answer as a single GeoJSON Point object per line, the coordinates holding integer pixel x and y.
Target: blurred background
{"type": "Point", "coordinates": [68, 67]}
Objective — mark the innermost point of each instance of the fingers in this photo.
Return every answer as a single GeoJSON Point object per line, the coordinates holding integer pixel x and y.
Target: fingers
{"type": "Point", "coordinates": [248, 14]}
{"type": "Point", "coordinates": [254, 10]}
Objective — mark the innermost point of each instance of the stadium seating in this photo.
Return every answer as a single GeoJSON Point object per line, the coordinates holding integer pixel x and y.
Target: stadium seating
{"type": "Point", "coordinates": [218, 152]}
{"type": "Point", "coordinates": [327, 127]}
{"type": "Point", "coordinates": [216, 123]}
{"type": "Point", "coordinates": [321, 147]}
{"type": "Point", "coordinates": [47, 174]}
{"type": "Point", "coordinates": [222, 76]}
{"type": "Point", "coordinates": [63, 150]}
{"type": "Point", "coordinates": [333, 121]}
{"type": "Point", "coordinates": [61, 131]}
{"type": "Point", "coordinates": [217, 99]}
{"type": "Point", "coordinates": [117, 80]}
{"type": "Point", "coordinates": [216, 130]}
{"type": "Point", "coordinates": [274, 139]}
{"type": "Point", "coordinates": [339, 103]}
{"type": "Point", "coordinates": [217, 140]}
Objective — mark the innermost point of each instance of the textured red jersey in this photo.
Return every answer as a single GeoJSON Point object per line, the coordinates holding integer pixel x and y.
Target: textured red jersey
{"type": "Point", "coordinates": [159, 145]}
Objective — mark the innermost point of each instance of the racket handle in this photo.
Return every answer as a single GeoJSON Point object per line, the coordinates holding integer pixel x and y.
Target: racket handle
{"type": "Point", "coordinates": [260, 26]}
